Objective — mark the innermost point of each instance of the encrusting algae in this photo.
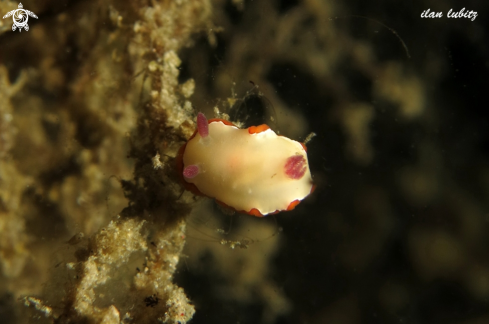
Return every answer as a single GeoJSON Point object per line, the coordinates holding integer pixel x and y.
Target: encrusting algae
{"type": "Point", "coordinates": [103, 82]}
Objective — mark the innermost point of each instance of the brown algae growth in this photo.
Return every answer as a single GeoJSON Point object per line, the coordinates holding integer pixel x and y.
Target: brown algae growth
{"type": "Point", "coordinates": [92, 99]}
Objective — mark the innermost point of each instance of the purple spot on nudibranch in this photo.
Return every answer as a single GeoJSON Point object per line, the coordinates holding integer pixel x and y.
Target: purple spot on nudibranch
{"type": "Point", "coordinates": [190, 171]}
{"type": "Point", "coordinates": [295, 167]}
{"type": "Point", "coordinates": [202, 125]}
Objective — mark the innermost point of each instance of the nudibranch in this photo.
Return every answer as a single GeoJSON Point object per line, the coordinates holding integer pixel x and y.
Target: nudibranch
{"type": "Point", "coordinates": [253, 170]}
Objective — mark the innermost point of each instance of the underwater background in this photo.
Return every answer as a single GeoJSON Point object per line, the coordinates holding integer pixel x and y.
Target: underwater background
{"type": "Point", "coordinates": [97, 97]}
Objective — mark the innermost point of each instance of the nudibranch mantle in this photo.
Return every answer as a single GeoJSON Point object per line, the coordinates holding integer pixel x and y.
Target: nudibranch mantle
{"type": "Point", "coordinates": [251, 170]}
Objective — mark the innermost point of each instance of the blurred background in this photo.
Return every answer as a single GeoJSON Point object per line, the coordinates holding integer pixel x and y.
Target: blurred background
{"type": "Point", "coordinates": [397, 229]}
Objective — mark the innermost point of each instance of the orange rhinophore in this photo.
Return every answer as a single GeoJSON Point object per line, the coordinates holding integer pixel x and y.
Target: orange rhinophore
{"type": "Point", "coordinates": [252, 170]}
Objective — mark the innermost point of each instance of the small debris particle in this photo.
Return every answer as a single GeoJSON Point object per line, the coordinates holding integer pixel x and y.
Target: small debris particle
{"type": "Point", "coordinates": [77, 238]}
{"type": "Point", "coordinates": [151, 301]}
{"type": "Point", "coordinates": [156, 162]}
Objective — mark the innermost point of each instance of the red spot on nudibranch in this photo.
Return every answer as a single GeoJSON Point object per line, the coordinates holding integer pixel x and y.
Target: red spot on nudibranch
{"type": "Point", "coordinates": [293, 204]}
{"type": "Point", "coordinates": [225, 122]}
{"type": "Point", "coordinates": [202, 125]}
{"type": "Point", "coordinates": [191, 171]}
{"type": "Point", "coordinates": [255, 212]}
{"type": "Point", "coordinates": [258, 129]}
{"type": "Point", "coordinates": [295, 167]}
{"type": "Point", "coordinates": [180, 167]}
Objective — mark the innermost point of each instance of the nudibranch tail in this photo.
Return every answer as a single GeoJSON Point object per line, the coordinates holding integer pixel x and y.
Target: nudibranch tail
{"type": "Point", "coordinates": [202, 125]}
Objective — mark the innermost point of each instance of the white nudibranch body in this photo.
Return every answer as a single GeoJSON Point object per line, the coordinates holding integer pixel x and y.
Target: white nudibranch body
{"type": "Point", "coordinates": [251, 170]}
